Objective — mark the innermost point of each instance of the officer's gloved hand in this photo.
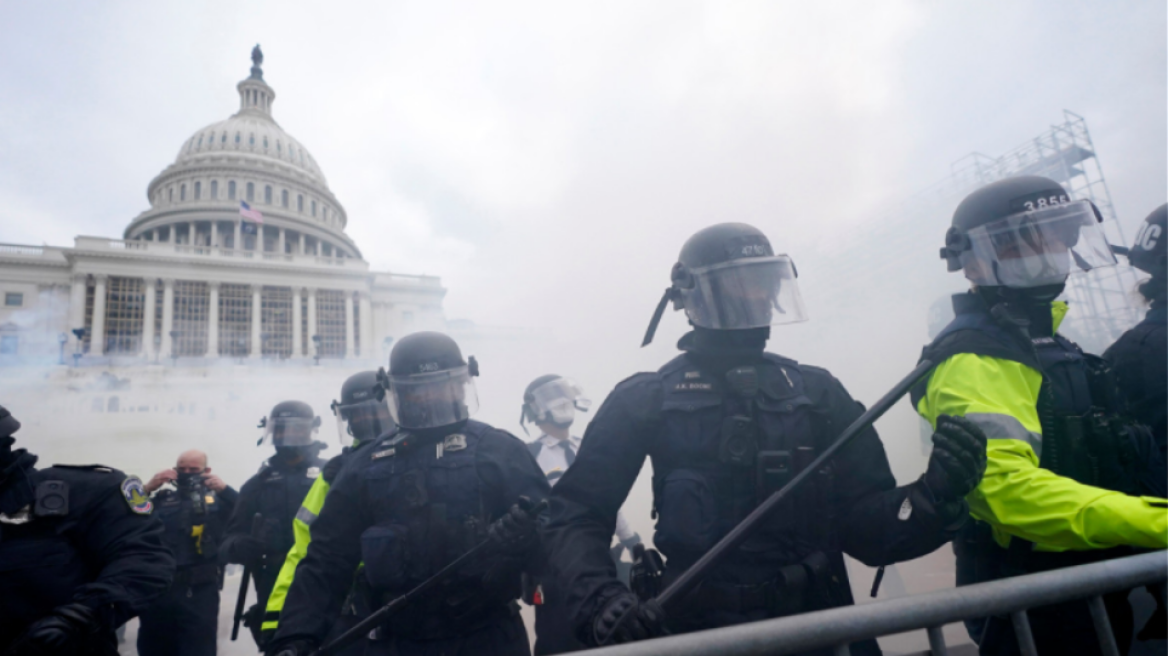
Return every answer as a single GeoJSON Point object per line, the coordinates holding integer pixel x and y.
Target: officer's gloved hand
{"type": "Point", "coordinates": [958, 461]}
{"type": "Point", "coordinates": [514, 533]}
{"type": "Point", "coordinates": [64, 631]}
{"type": "Point", "coordinates": [248, 549]}
{"type": "Point", "coordinates": [292, 647]}
{"type": "Point", "coordinates": [626, 618]}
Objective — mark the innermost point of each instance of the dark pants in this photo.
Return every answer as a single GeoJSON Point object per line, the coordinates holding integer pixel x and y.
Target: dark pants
{"type": "Point", "coordinates": [553, 624]}
{"type": "Point", "coordinates": [184, 622]}
{"type": "Point", "coordinates": [1064, 628]}
{"type": "Point", "coordinates": [505, 637]}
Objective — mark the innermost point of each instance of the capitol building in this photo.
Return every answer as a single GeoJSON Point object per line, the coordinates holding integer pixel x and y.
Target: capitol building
{"type": "Point", "coordinates": [194, 279]}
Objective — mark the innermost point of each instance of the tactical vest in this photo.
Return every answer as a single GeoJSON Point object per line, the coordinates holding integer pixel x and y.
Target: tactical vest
{"type": "Point", "coordinates": [1083, 436]}
{"type": "Point", "coordinates": [282, 490]}
{"type": "Point", "coordinates": [428, 508]}
{"type": "Point", "coordinates": [720, 454]}
{"type": "Point", "coordinates": [195, 521]}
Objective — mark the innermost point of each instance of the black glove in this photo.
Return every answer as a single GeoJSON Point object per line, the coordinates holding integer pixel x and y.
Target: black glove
{"type": "Point", "coordinates": [515, 533]}
{"type": "Point", "coordinates": [958, 461]}
{"type": "Point", "coordinates": [626, 618]}
{"type": "Point", "coordinates": [248, 550]}
{"type": "Point", "coordinates": [292, 647]}
{"type": "Point", "coordinates": [64, 631]}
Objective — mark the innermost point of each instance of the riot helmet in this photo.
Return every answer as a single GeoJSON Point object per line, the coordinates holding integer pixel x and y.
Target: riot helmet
{"type": "Point", "coordinates": [1149, 252]}
{"type": "Point", "coordinates": [291, 424]}
{"type": "Point", "coordinates": [430, 385]}
{"type": "Point", "coordinates": [1025, 233]}
{"type": "Point", "coordinates": [362, 413]}
{"type": "Point", "coordinates": [553, 399]}
{"type": "Point", "coordinates": [727, 277]}
{"type": "Point", "coordinates": [8, 423]}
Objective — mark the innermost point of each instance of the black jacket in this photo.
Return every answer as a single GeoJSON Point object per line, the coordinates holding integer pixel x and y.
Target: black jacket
{"type": "Point", "coordinates": [106, 551]}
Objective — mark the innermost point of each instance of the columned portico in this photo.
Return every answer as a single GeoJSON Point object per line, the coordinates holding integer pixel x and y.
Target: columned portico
{"type": "Point", "coordinates": [148, 318]}
{"type": "Point", "coordinates": [350, 336]}
{"type": "Point", "coordinates": [77, 301]}
{"type": "Point", "coordinates": [297, 334]}
{"type": "Point", "coordinates": [256, 321]}
{"type": "Point", "coordinates": [213, 320]}
{"type": "Point", "coordinates": [312, 346]}
{"type": "Point", "coordinates": [368, 342]}
{"type": "Point", "coordinates": [167, 317]}
{"type": "Point", "coordinates": [97, 332]}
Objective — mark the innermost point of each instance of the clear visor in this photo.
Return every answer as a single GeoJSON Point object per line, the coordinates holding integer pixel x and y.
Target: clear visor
{"type": "Point", "coordinates": [558, 400]}
{"type": "Point", "coordinates": [363, 421]}
{"type": "Point", "coordinates": [747, 293]}
{"type": "Point", "coordinates": [432, 400]}
{"type": "Point", "coordinates": [1042, 247]}
{"type": "Point", "coordinates": [289, 431]}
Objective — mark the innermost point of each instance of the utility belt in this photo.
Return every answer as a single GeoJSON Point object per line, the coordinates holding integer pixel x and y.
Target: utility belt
{"type": "Point", "coordinates": [1097, 448]}
{"type": "Point", "coordinates": [975, 544]}
{"type": "Point", "coordinates": [196, 575]}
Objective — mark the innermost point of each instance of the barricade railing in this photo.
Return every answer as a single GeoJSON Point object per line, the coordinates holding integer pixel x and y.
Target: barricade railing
{"type": "Point", "coordinates": [839, 627]}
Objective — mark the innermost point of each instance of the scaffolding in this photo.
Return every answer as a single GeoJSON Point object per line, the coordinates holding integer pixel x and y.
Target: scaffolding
{"type": "Point", "coordinates": [1102, 298]}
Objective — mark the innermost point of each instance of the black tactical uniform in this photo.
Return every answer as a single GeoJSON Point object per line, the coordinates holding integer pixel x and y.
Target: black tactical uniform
{"type": "Point", "coordinates": [726, 424]}
{"type": "Point", "coordinates": [411, 503]}
{"type": "Point", "coordinates": [275, 494]}
{"type": "Point", "coordinates": [80, 554]}
{"type": "Point", "coordinates": [185, 622]}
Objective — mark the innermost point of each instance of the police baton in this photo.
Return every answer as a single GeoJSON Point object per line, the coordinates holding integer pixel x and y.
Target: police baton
{"type": "Point", "coordinates": [381, 614]}
{"type": "Point", "coordinates": [257, 527]}
{"type": "Point", "coordinates": [692, 576]}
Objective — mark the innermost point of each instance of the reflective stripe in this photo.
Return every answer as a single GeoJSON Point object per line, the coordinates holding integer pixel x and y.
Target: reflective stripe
{"type": "Point", "coordinates": [305, 515]}
{"type": "Point", "coordinates": [999, 426]}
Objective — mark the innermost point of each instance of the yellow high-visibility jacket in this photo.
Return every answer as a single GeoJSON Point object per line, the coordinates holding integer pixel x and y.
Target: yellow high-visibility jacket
{"type": "Point", "coordinates": [1017, 497]}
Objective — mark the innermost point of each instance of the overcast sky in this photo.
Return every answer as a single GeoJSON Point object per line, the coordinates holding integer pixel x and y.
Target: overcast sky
{"type": "Point", "coordinates": [548, 159]}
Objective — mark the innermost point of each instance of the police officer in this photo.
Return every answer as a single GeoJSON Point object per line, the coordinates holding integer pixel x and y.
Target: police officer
{"type": "Point", "coordinates": [260, 533]}
{"type": "Point", "coordinates": [185, 622]}
{"type": "Point", "coordinates": [81, 554]}
{"type": "Point", "coordinates": [725, 425]}
{"type": "Point", "coordinates": [1140, 357]}
{"type": "Point", "coordinates": [362, 416]}
{"type": "Point", "coordinates": [413, 502]}
{"type": "Point", "coordinates": [550, 402]}
{"type": "Point", "coordinates": [1053, 494]}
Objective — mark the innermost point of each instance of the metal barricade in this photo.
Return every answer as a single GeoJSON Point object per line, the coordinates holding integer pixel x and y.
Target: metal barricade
{"type": "Point", "coordinates": [839, 627]}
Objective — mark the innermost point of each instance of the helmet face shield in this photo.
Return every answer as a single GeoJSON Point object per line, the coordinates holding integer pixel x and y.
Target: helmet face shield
{"type": "Point", "coordinates": [745, 293]}
{"type": "Point", "coordinates": [1035, 248]}
{"type": "Point", "coordinates": [432, 400]}
{"type": "Point", "coordinates": [364, 420]}
{"type": "Point", "coordinates": [557, 401]}
{"type": "Point", "coordinates": [289, 431]}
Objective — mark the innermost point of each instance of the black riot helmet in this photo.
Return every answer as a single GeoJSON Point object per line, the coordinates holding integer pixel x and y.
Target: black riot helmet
{"type": "Point", "coordinates": [8, 423]}
{"type": "Point", "coordinates": [1025, 233]}
{"type": "Point", "coordinates": [362, 413]}
{"type": "Point", "coordinates": [727, 277]}
{"type": "Point", "coordinates": [1149, 252]}
{"type": "Point", "coordinates": [430, 385]}
{"type": "Point", "coordinates": [290, 424]}
{"type": "Point", "coordinates": [553, 399]}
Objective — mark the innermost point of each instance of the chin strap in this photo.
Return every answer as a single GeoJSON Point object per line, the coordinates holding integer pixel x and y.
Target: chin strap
{"type": "Point", "coordinates": [657, 314]}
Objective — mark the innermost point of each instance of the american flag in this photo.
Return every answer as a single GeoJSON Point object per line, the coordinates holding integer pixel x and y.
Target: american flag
{"type": "Point", "coordinates": [247, 212]}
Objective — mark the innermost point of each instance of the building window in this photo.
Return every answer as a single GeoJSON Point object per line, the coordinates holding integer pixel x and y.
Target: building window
{"type": "Point", "coordinates": [314, 208]}
{"type": "Point", "coordinates": [268, 194]}
{"type": "Point", "coordinates": [125, 301]}
{"type": "Point", "coordinates": [170, 195]}
{"type": "Point", "coordinates": [214, 190]}
{"type": "Point", "coordinates": [9, 344]}
{"type": "Point", "coordinates": [223, 138]}
{"type": "Point", "coordinates": [284, 198]}
{"type": "Point", "coordinates": [200, 141]}
{"type": "Point", "coordinates": [198, 190]}
{"type": "Point", "coordinates": [234, 320]}
{"type": "Point", "coordinates": [191, 301]}
{"type": "Point", "coordinates": [265, 143]}
{"type": "Point", "coordinates": [250, 191]}
{"type": "Point", "coordinates": [182, 192]}
{"type": "Point", "coordinates": [251, 139]}
{"type": "Point", "coordinates": [231, 190]}
{"type": "Point", "coordinates": [279, 148]}
{"type": "Point", "coordinates": [330, 322]}
{"type": "Point", "coordinates": [237, 137]}
{"type": "Point", "coordinates": [276, 321]}
{"type": "Point", "coordinates": [211, 139]}
{"type": "Point", "coordinates": [13, 299]}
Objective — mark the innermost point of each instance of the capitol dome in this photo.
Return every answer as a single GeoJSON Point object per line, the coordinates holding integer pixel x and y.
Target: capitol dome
{"type": "Point", "coordinates": [250, 158]}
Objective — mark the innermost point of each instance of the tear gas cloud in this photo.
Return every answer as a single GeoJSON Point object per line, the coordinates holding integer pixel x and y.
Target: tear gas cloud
{"type": "Point", "coordinates": [549, 160]}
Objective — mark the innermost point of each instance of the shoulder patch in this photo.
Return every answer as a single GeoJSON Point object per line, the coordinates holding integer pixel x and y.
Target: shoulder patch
{"type": "Point", "coordinates": [135, 495]}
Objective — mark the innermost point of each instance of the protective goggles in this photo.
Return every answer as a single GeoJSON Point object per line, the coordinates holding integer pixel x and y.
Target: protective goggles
{"type": "Point", "coordinates": [433, 399]}
{"type": "Point", "coordinates": [747, 293]}
{"type": "Point", "coordinates": [1035, 248]}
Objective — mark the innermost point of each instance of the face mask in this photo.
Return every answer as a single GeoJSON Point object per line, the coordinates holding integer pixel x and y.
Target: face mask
{"type": "Point", "coordinates": [187, 480]}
